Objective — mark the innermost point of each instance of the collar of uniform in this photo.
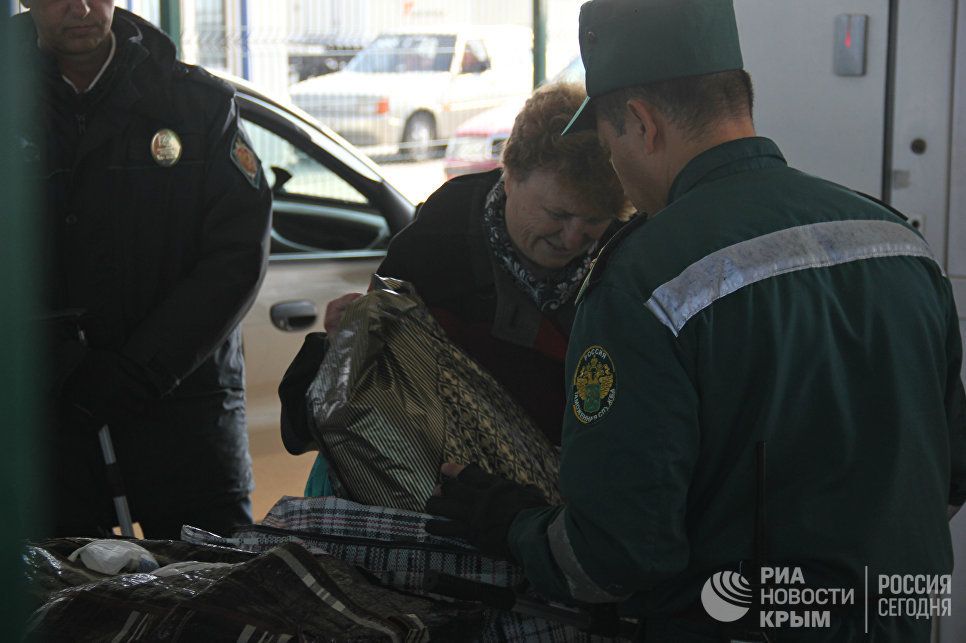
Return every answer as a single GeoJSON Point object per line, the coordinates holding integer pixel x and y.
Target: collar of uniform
{"type": "Point", "coordinates": [107, 63]}
{"type": "Point", "coordinates": [143, 91]}
{"type": "Point", "coordinates": [725, 159]}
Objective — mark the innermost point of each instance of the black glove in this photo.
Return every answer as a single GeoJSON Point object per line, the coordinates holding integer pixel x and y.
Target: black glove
{"type": "Point", "coordinates": [106, 388]}
{"type": "Point", "coordinates": [482, 507]}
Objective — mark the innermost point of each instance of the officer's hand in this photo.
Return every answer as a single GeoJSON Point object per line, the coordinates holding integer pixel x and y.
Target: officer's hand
{"type": "Point", "coordinates": [336, 308]}
{"type": "Point", "coordinates": [481, 507]}
{"type": "Point", "coordinates": [106, 388]}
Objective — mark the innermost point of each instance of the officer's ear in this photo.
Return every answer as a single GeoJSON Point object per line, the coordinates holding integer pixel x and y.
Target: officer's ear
{"type": "Point", "coordinates": [25, 3]}
{"type": "Point", "coordinates": [644, 121]}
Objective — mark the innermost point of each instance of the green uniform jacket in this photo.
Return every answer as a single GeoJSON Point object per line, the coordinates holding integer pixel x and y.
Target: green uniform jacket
{"type": "Point", "coordinates": [761, 304]}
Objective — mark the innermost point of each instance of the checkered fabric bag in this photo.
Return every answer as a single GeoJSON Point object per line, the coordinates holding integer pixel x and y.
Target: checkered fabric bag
{"type": "Point", "coordinates": [393, 546]}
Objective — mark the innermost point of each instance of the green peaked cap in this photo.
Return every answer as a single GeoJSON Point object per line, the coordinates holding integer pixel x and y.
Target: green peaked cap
{"type": "Point", "coordinates": [625, 43]}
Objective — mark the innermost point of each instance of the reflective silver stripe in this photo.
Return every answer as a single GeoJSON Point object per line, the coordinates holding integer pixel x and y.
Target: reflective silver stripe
{"type": "Point", "coordinates": [816, 245]}
{"type": "Point", "coordinates": [578, 582]}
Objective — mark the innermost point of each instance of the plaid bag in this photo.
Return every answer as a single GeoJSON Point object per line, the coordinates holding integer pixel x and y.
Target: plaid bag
{"type": "Point", "coordinates": [393, 546]}
{"type": "Point", "coordinates": [283, 594]}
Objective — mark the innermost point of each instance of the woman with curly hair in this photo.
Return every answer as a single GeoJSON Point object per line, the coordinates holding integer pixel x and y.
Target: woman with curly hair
{"type": "Point", "coordinates": [498, 257]}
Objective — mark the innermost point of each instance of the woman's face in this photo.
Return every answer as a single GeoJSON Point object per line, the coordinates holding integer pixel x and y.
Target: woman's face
{"type": "Point", "coordinates": [549, 222]}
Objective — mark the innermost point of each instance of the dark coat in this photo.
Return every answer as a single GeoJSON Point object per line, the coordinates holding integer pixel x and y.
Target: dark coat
{"type": "Point", "coordinates": [762, 307]}
{"type": "Point", "coordinates": [445, 254]}
{"type": "Point", "coordinates": [164, 260]}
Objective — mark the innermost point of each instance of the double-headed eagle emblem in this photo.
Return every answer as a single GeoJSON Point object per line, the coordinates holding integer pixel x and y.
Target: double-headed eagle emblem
{"type": "Point", "coordinates": [594, 382]}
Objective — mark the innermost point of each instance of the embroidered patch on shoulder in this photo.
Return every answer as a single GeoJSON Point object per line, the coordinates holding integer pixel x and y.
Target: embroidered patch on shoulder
{"type": "Point", "coordinates": [244, 159]}
{"type": "Point", "coordinates": [594, 386]}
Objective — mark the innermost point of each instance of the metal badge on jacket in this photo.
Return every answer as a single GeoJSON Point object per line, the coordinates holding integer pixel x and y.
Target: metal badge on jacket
{"type": "Point", "coordinates": [166, 147]}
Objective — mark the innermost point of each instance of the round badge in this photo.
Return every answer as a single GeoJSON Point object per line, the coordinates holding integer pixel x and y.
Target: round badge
{"type": "Point", "coordinates": [594, 386]}
{"type": "Point", "coordinates": [166, 147]}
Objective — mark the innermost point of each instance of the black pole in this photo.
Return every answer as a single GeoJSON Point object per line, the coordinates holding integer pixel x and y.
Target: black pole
{"type": "Point", "coordinates": [170, 18]}
{"type": "Point", "coordinates": [22, 475]}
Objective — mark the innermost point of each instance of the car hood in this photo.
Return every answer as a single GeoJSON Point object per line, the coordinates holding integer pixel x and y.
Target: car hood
{"type": "Point", "coordinates": [348, 83]}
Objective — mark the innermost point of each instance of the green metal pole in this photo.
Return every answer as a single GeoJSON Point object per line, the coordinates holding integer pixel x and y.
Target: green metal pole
{"type": "Point", "coordinates": [21, 473]}
{"type": "Point", "coordinates": [539, 43]}
{"type": "Point", "coordinates": [171, 21]}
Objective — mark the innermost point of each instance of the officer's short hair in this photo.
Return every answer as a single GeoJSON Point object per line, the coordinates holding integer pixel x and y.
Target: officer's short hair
{"type": "Point", "coordinates": [536, 143]}
{"type": "Point", "coordinates": [693, 103]}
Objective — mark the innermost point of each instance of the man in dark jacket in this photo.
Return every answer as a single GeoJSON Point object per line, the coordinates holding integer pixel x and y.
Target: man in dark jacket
{"type": "Point", "coordinates": [759, 310]}
{"type": "Point", "coordinates": [156, 224]}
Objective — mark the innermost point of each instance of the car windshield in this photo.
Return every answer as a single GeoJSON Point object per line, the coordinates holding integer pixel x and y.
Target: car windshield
{"type": "Point", "coordinates": [400, 54]}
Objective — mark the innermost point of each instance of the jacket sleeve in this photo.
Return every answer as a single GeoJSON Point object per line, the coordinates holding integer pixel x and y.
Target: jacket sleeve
{"type": "Point", "coordinates": [626, 463]}
{"type": "Point", "coordinates": [408, 251]}
{"type": "Point", "coordinates": [433, 252]}
{"type": "Point", "coordinates": [955, 409]}
{"type": "Point", "coordinates": [211, 299]}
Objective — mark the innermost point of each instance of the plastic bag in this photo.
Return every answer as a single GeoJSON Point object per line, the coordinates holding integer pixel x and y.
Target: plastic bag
{"type": "Point", "coordinates": [393, 398]}
{"type": "Point", "coordinates": [114, 556]}
{"type": "Point", "coordinates": [285, 593]}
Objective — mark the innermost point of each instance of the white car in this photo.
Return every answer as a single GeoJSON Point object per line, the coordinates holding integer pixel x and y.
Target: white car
{"type": "Point", "coordinates": [410, 91]}
{"type": "Point", "coordinates": [333, 216]}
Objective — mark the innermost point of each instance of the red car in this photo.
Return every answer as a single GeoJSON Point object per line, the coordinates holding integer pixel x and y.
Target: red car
{"type": "Point", "coordinates": [477, 145]}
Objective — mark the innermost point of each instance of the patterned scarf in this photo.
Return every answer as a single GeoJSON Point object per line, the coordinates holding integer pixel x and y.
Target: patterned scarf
{"type": "Point", "coordinates": [548, 293]}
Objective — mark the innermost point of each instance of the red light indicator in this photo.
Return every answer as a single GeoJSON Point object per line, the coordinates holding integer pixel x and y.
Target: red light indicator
{"type": "Point", "coordinates": [848, 39]}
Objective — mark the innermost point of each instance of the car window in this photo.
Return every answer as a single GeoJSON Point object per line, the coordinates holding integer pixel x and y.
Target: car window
{"type": "Point", "coordinates": [309, 178]}
{"type": "Point", "coordinates": [475, 59]}
{"type": "Point", "coordinates": [406, 53]}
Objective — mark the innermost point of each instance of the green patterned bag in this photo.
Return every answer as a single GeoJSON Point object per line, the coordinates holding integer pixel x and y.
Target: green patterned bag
{"type": "Point", "coordinates": [394, 398]}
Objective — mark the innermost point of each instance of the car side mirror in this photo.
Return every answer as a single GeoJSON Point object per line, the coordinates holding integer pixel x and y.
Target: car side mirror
{"type": "Point", "coordinates": [282, 176]}
{"type": "Point", "coordinates": [477, 67]}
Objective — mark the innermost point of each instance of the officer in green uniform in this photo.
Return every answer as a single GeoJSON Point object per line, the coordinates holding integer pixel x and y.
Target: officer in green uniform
{"type": "Point", "coordinates": [758, 316]}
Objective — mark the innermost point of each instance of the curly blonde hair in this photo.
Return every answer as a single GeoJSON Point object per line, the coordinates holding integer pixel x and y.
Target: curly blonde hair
{"type": "Point", "coordinates": [536, 143]}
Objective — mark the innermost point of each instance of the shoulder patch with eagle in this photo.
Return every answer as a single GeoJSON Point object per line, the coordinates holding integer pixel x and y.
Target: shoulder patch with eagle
{"type": "Point", "coordinates": [594, 385]}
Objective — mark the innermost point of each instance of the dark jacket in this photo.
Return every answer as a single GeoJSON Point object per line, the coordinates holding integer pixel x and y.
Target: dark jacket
{"type": "Point", "coordinates": [164, 260]}
{"type": "Point", "coordinates": [446, 255]}
{"type": "Point", "coordinates": [762, 305]}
